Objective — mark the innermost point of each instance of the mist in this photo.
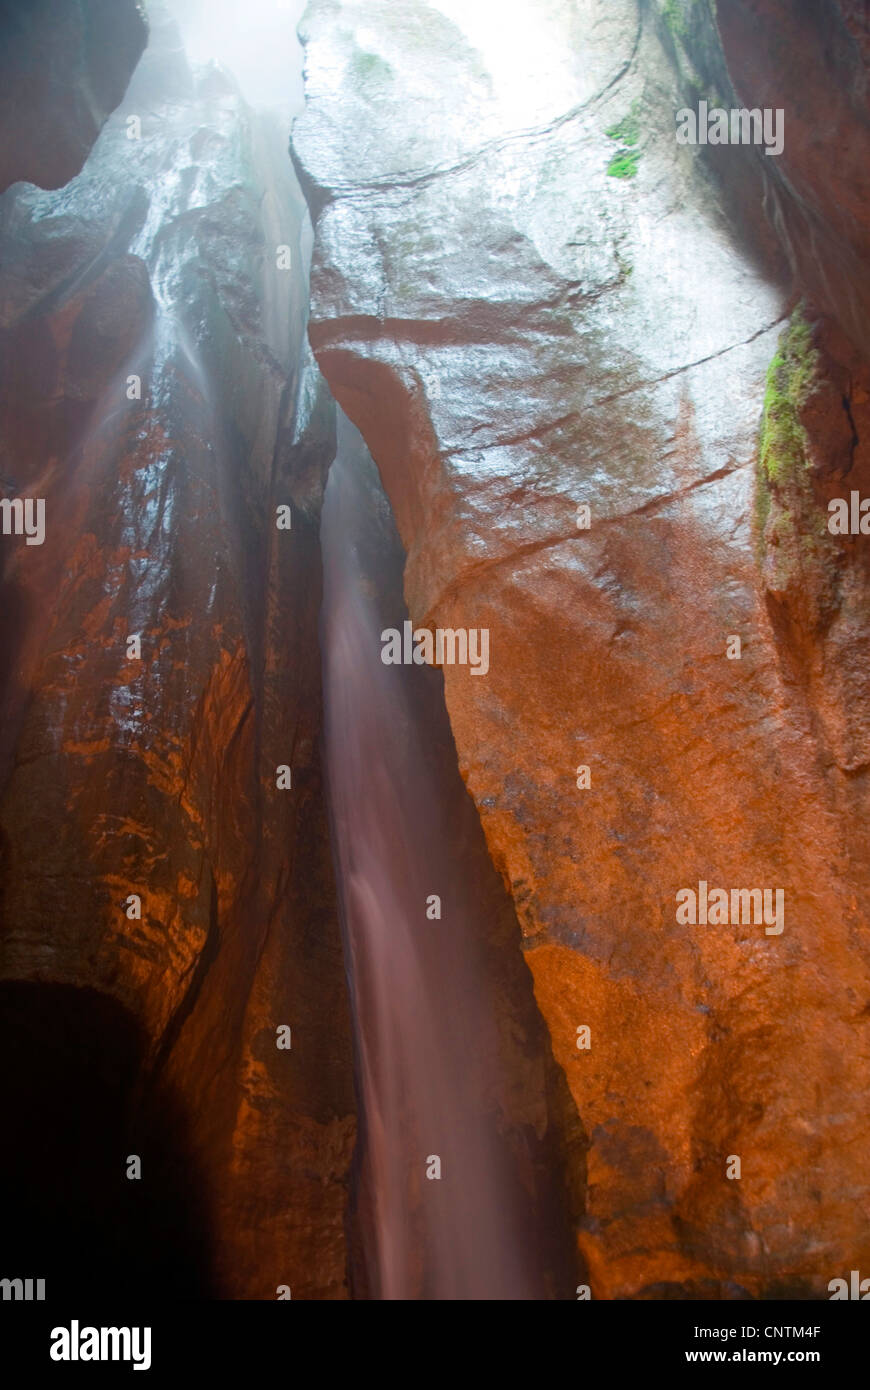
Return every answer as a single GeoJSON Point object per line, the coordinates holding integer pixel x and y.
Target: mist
{"type": "Point", "coordinates": [255, 40]}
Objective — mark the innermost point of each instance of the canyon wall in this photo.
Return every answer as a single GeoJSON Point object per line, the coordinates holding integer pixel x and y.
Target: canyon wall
{"type": "Point", "coordinates": [165, 906]}
{"type": "Point", "coordinates": [531, 300]}
{"type": "Point", "coordinates": [64, 67]}
{"type": "Point", "coordinates": [810, 60]}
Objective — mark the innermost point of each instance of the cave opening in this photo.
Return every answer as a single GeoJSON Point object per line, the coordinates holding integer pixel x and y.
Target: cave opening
{"type": "Point", "coordinates": [76, 1107]}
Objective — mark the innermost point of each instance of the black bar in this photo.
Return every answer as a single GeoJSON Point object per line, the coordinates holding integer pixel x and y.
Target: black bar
{"type": "Point", "coordinates": [300, 1343]}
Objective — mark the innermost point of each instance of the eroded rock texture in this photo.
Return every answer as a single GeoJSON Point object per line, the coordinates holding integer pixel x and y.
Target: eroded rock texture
{"type": "Point", "coordinates": [529, 298]}
{"type": "Point", "coordinates": [64, 67]}
{"type": "Point", "coordinates": [160, 264]}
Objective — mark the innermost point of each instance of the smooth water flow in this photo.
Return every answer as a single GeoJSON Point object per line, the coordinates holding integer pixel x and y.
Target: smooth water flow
{"type": "Point", "coordinates": [424, 1025]}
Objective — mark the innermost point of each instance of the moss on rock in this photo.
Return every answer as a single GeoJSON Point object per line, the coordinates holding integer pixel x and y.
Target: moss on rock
{"type": "Point", "coordinates": [790, 379]}
{"type": "Point", "coordinates": [797, 556]}
{"type": "Point", "coordinates": [624, 163]}
{"type": "Point", "coordinates": [674, 17]}
{"type": "Point", "coordinates": [627, 131]}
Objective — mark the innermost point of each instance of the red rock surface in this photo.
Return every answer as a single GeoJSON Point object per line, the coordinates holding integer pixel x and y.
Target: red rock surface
{"type": "Point", "coordinates": [517, 332]}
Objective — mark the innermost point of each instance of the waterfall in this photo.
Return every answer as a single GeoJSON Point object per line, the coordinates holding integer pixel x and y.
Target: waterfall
{"type": "Point", "coordinates": [423, 1008]}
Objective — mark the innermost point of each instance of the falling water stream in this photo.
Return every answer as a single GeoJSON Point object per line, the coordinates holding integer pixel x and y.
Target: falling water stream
{"type": "Point", "coordinates": [421, 1002]}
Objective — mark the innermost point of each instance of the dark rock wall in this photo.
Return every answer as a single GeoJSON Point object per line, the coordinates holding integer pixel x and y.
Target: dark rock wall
{"type": "Point", "coordinates": [158, 776]}
{"type": "Point", "coordinates": [811, 60]}
{"type": "Point", "coordinates": [64, 66]}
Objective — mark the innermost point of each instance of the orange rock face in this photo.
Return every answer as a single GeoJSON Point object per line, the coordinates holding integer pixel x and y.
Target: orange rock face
{"type": "Point", "coordinates": [519, 332]}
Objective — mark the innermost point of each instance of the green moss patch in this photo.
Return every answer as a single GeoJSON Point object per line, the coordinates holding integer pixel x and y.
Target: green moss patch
{"type": "Point", "coordinates": [799, 559]}
{"type": "Point", "coordinates": [790, 379]}
{"type": "Point", "coordinates": [624, 165]}
{"type": "Point", "coordinates": [626, 132]}
{"type": "Point", "coordinates": [674, 17]}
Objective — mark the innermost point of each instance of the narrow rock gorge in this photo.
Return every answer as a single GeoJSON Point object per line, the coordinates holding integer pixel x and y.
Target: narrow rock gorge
{"type": "Point", "coordinates": [408, 983]}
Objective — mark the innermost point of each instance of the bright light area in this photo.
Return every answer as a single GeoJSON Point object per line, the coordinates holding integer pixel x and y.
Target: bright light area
{"type": "Point", "coordinates": [532, 50]}
{"type": "Point", "coordinates": [255, 40]}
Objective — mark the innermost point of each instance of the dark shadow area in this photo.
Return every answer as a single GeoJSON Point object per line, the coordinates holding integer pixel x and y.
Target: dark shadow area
{"type": "Point", "coordinates": [72, 1062]}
